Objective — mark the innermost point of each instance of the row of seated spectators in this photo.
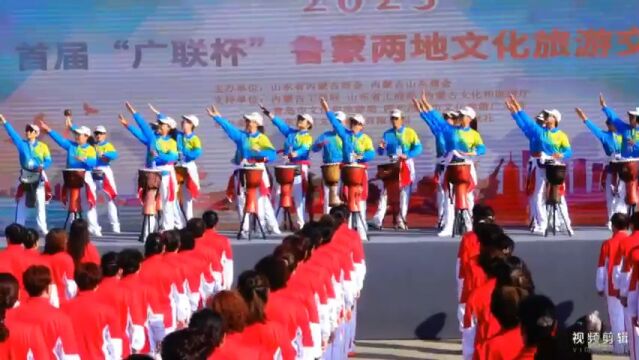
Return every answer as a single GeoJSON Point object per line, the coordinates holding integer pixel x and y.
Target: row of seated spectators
{"type": "Point", "coordinates": [174, 300]}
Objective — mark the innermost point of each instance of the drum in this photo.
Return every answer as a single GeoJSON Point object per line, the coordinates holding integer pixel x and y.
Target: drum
{"type": "Point", "coordinates": [389, 174]}
{"type": "Point", "coordinates": [181, 174]}
{"type": "Point", "coordinates": [285, 176]}
{"type": "Point", "coordinates": [251, 179]}
{"type": "Point", "coordinates": [330, 175]}
{"type": "Point", "coordinates": [97, 174]}
{"type": "Point", "coordinates": [388, 171]}
{"type": "Point", "coordinates": [149, 182]}
{"type": "Point", "coordinates": [628, 171]}
{"type": "Point", "coordinates": [353, 177]}
{"type": "Point", "coordinates": [555, 175]}
{"type": "Point", "coordinates": [458, 174]}
{"type": "Point", "coordinates": [29, 182]}
{"type": "Point", "coordinates": [73, 182]}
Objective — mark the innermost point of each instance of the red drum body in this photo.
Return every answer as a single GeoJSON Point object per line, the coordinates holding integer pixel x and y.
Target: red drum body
{"type": "Point", "coordinates": [353, 176]}
{"type": "Point", "coordinates": [74, 181]}
{"type": "Point", "coordinates": [149, 181]}
{"type": "Point", "coordinates": [555, 176]}
{"type": "Point", "coordinates": [389, 174]}
{"type": "Point", "coordinates": [458, 174]}
{"type": "Point", "coordinates": [251, 178]}
{"type": "Point", "coordinates": [629, 174]}
{"type": "Point", "coordinates": [285, 176]}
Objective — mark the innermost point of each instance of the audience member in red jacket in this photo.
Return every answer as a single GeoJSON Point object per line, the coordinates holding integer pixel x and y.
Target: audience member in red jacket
{"type": "Point", "coordinates": [188, 272]}
{"type": "Point", "coordinates": [55, 325]}
{"type": "Point", "coordinates": [61, 264]}
{"type": "Point", "coordinates": [469, 245]}
{"type": "Point", "coordinates": [234, 312]}
{"type": "Point", "coordinates": [221, 244]}
{"type": "Point", "coordinates": [17, 340]}
{"type": "Point", "coordinates": [14, 259]}
{"type": "Point", "coordinates": [99, 329]}
{"type": "Point", "coordinates": [207, 253]}
{"type": "Point", "coordinates": [31, 242]}
{"type": "Point", "coordinates": [80, 246]}
{"type": "Point", "coordinates": [200, 277]}
{"type": "Point", "coordinates": [508, 343]}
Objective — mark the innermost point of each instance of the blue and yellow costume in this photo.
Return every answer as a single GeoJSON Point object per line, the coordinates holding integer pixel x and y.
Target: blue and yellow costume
{"type": "Point", "coordinates": [76, 152]}
{"type": "Point", "coordinates": [189, 146]}
{"type": "Point", "coordinates": [403, 140]}
{"type": "Point", "coordinates": [435, 129]}
{"type": "Point", "coordinates": [359, 143]}
{"type": "Point", "coordinates": [298, 141]}
{"type": "Point", "coordinates": [553, 141]}
{"type": "Point", "coordinates": [331, 146]}
{"type": "Point", "coordinates": [629, 134]}
{"type": "Point", "coordinates": [252, 147]}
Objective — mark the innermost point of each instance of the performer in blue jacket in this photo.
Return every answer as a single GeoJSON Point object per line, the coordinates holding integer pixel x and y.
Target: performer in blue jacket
{"type": "Point", "coordinates": [330, 144]}
{"type": "Point", "coordinates": [35, 158]}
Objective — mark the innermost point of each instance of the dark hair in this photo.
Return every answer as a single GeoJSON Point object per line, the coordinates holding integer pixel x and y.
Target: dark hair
{"type": "Point", "coordinates": [55, 241]}
{"type": "Point", "coordinates": [298, 245]}
{"type": "Point", "coordinates": [474, 124]}
{"type": "Point", "coordinates": [254, 287]}
{"type": "Point", "coordinates": [129, 261]}
{"type": "Point", "coordinates": [210, 219]}
{"type": "Point", "coordinates": [314, 232]}
{"type": "Point", "coordinates": [31, 238]}
{"type": "Point", "coordinates": [36, 279]}
{"type": "Point", "coordinates": [276, 271]}
{"type": "Point", "coordinates": [286, 253]}
{"type": "Point", "coordinates": [620, 221]}
{"type": "Point", "coordinates": [504, 305]}
{"type": "Point", "coordinates": [210, 323]}
{"type": "Point", "coordinates": [109, 264]}
{"type": "Point", "coordinates": [634, 220]}
{"type": "Point", "coordinates": [186, 344]}
{"type": "Point", "coordinates": [487, 233]}
{"type": "Point", "coordinates": [196, 226]}
{"type": "Point", "coordinates": [232, 308]}
{"type": "Point", "coordinates": [187, 240]}
{"type": "Point", "coordinates": [139, 357]}
{"type": "Point", "coordinates": [538, 322]}
{"type": "Point", "coordinates": [340, 214]}
{"type": "Point", "coordinates": [87, 276]}
{"type": "Point", "coordinates": [171, 240]}
{"type": "Point", "coordinates": [482, 214]}
{"type": "Point", "coordinates": [328, 225]}
{"type": "Point", "coordinates": [15, 234]}
{"type": "Point", "coordinates": [513, 271]}
{"type": "Point", "coordinates": [9, 289]}
{"type": "Point", "coordinates": [153, 245]}
{"type": "Point", "coordinates": [78, 239]}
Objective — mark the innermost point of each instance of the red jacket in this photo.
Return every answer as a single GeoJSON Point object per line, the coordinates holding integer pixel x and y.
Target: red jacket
{"type": "Point", "coordinates": [234, 348]}
{"type": "Point", "coordinates": [270, 336]}
{"type": "Point", "coordinates": [54, 323]}
{"type": "Point", "coordinates": [474, 277]}
{"type": "Point", "coordinates": [506, 345]}
{"type": "Point", "coordinates": [24, 339]}
{"type": "Point", "coordinates": [62, 271]}
{"type": "Point", "coordinates": [468, 248]}
{"type": "Point", "coordinates": [96, 323]}
{"type": "Point", "coordinates": [91, 254]}
{"type": "Point", "coordinates": [15, 260]}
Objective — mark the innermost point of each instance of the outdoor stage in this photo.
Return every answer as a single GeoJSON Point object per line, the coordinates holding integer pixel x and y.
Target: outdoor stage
{"type": "Point", "coordinates": [410, 284]}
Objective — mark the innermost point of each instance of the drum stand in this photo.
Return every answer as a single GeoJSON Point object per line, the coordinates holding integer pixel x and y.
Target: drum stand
{"type": "Point", "coordinates": [72, 215]}
{"type": "Point", "coordinates": [631, 209]}
{"type": "Point", "coordinates": [355, 219]}
{"type": "Point", "coordinates": [288, 218]}
{"type": "Point", "coordinates": [254, 223]}
{"type": "Point", "coordinates": [459, 224]}
{"type": "Point", "coordinates": [552, 208]}
{"type": "Point", "coordinates": [146, 225]}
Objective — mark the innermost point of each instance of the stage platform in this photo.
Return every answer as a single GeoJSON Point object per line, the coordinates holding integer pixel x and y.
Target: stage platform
{"type": "Point", "coordinates": [410, 285]}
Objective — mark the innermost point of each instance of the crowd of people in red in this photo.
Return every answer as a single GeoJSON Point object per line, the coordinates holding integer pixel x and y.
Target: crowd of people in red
{"type": "Point", "coordinates": [499, 313]}
{"type": "Point", "coordinates": [175, 301]}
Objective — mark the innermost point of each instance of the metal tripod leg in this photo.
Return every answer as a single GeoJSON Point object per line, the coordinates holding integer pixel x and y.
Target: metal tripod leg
{"type": "Point", "coordinates": [239, 233]}
{"type": "Point", "coordinates": [563, 218]}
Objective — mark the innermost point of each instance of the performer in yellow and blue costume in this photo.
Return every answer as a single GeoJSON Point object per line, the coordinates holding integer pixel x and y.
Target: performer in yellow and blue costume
{"type": "Point", "coordinates": [330, 144]}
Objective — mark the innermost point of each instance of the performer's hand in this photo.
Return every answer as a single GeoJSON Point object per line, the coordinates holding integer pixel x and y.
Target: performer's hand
{"type": "Point", "coordinates": [510, 106]}
{"type": "Point", "coordinates": [418, 105]}
{"type": "Point", "coordinates": [471, 153]}
{"type": "Point", "coordinates": [515, 103]}
{"type": "Point", "coordinates": [155, 111]}
{"type": "Point", "coordinates": [382, 144]}
{"type": "Point", "coordinates": [43, 125]}
{"type": "Point", "coordinates": [212, 111]}
{"type": "Point", "coordinates": [425, 104]}
{"type": "Point", "coordinates": [292, 154]}
{"type": "Point", "coordinates": [581, 114]}
{"type": "Point", "coordinates": [403, 156]}
{"type": "Point", "coordinates": [123, 120]}
{"type": "Point", "coordinates": [558, 156]}
{"type": "Point", "coordinates": [80, 158]}
{"type": "Point", "coordinates": [265, 111]}
{"type": "Point", "coordinates": [2, 119]}
{"type": "Point", "coordinates": [324, 105]}
{"type": "Point", "coordinates": [154, 153]}
{"type": "Point", "coordinates": [602, 100]}
{"type": "Point", "coordinates": [104, 158]}
{"type": "Point", "coordinates": [129, 107]}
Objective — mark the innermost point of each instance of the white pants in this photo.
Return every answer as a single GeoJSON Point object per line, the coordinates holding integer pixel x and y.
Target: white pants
{"type": "Point", "coordinates": [468, 342]}
{"type": "Point", "coordinates": [112, 209]}
{"type": "Point", "coordinates": [362, 226]}
{"type": "Point", "coordinates": [167, 222]}
{"type": "Point", "coordinates": [40, 208]}
{"type": "Point", "coordinates": [91, 213]}
{"type": "Point", "coordinates": [265, 212]}
{"type": "Point", "coordinates": [629, 313]}
{"type": "Point", "coordinates": [404, 197]}
{"type": "Point", "coordinates": [538, 198]}
{"type": "Point", "coordinates": [299, 198]}
{"type": "Point", "coordinates": [441, 199]}
{"type": "Point", "coordinates": [187, 197]}
{"type": "Point", "coordinates": [532, 202]}
{"type": "Point", "coordinates": [617, 326]}
{"type": "Point", "coordinates": [615, 203]}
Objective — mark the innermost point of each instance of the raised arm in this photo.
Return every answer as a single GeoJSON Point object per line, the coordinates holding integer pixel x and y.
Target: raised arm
{"type": "Point", "coordinates": [282, 126]}
{"type": "Point", "coordinates": [231, 131]}
{"type": "Point", "coordinates": [135, 131]}
{"type": "Point", "coordinates": [60, 140]}
{"type": "Point", "coordinates": [13, 134]}
{"type": "Point", "coordinates": [612, 115]}
{"type": "Point", "coordinates": [335, 123]}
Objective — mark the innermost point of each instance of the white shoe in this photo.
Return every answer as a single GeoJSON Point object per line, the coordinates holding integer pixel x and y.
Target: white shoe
{"type": "Point", "coordinates": [116, 228]}
{"type": "Point", "coordinates": [538, 230]}
{"type": "Point", "coordinates": [445, 233]}
{"type": "Point", "coordinates": [276, 231]}
{"type": "Point", "coordinates": [570, 231]}
{"type": "Point", "coordinates": [243, 235]}
{"type": "Point", "coordinates": [96, 233]}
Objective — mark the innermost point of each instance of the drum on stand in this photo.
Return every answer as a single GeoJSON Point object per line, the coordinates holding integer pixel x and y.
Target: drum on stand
{"type": "Point", "coordinates": [182, 177]}
{"type": "Point", "coordinates": [97, 174]}
{"type": "Point", "coordinates": [389, 174]}
{"type": "Point", "coordinates": [29, 182]}
{"type": "Point", "coordinates": [330, 176]}
{"type": "Point", "coordinates": [459, 176]}
{"type": "Point", "coordinates": [628, 172]}
{"type": "Point", "coordinates": [353, 177]}
{"type": "Point", "coordinates": [555, 176]}
{"type": "Point", "coordinates": [73, 183]}
{"type": "Point", "coordinates": [149, 183]}
{"type": "Point", "coordinates": [251, 180]}
{"type": "Point", "coordinates": [285, 177]}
